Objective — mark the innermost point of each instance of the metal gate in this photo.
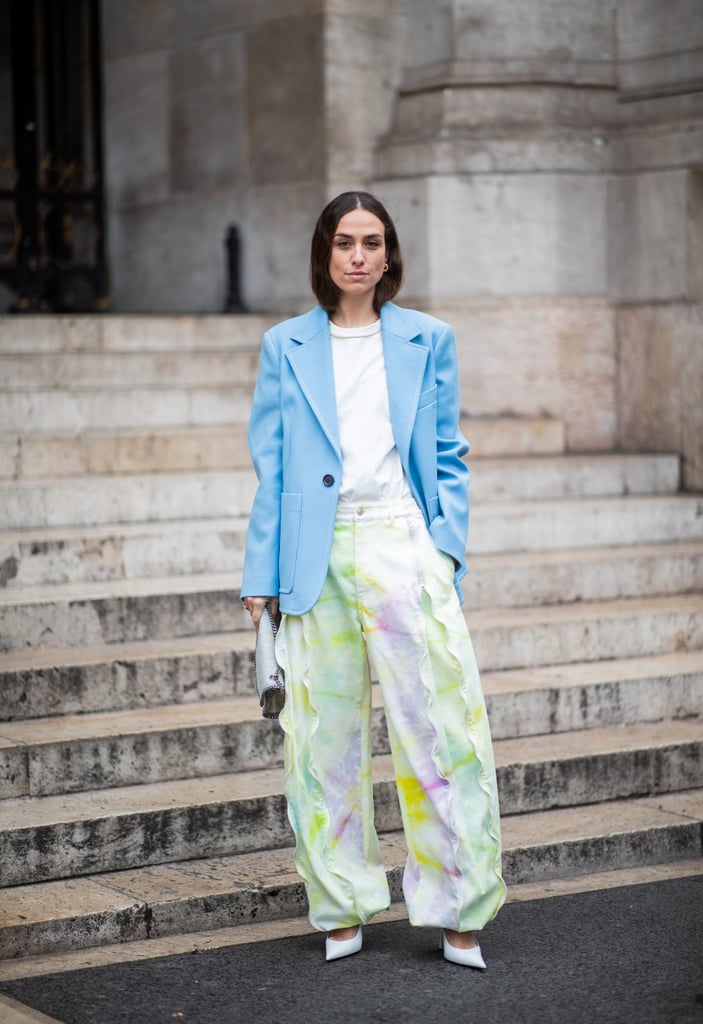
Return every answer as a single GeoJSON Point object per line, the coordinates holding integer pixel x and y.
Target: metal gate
{"type": "Point", "coordinates": [52, 194]}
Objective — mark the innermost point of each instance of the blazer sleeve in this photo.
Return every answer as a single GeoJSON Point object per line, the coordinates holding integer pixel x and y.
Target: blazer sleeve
{"type": "Point", "coordinates": [260, 578]}
{"type": "Point", "coordinates": [450, 527]}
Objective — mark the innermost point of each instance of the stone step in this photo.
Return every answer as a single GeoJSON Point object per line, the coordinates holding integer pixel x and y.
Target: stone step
{"type": "Point", "coordinates": [588, 631]}
{"type": "Point", "coordinates": [574, 476]}
{"type": "Point", "coordinates": [122, 371]}
{"type": "Point", "coordinates": [47, 756]}
{"type": "Point", "coordinates": [584, 523]}
{"type": "Point", "coordinates": [206, 894]}
{"type": "Point", "coordinates": [49, 566]}
{"type": "Point", "coordinates": [587, 574]}
{"type": "Point", "coordinates": [153, 673]}
{"type": "Point", "coordinates": [111, 612]}
{"type": "Point", "coordinates": [118, 552]}
{"type": "Point", "coordinates": [144, 497]}
{"type": "Point", "coordinates": [131, 333]}
{"type": "Point", "coordinates": [165, 449]}
{"type": "Point", "coordinates": [43, 838]}
{"type": "Point", "coordinates": [65, 412]}
{"type": "Point", "coordinates": [504, 638]}
{"type": "Point", "coordinates": [57, 681]}
{"type": "Point", "coordinates": [93, 500]}
{"type": "Point", "coordinates": [174, 449]}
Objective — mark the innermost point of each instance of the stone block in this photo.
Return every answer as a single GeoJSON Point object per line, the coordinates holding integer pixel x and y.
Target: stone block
{"type": "Point", "coordinates": [207, 131]}
{"type": "Point", "coordinates": [591, 695]}
{"type": "Point", "coordinates": [554, 28]}
{"type": "Point", "coordinates": [285, 89]}
{"type": "Point", "coordinates": [575, 476]}
{"type": "Point", "coordinates": [535, 526]}
{"type": "Point", "coordinates": [108, 830]}
{"type": "Point", "coordinates": [590, 766]}
{"type": "Point", "coordinates": [360, 89]}
{"type": "Point", "coordinates": [194, 21]}
{"type": "Point", "coordinates": [137, 131]}
{"type": "Point", "coordinates": [165, 450]}
{"type": "Point", "coordinates": [71, 914]}
{"type": "Point", "coordinates": [610, 629]}
{"type": "Point", "coordinates": [647, 245]}
{"type": "Point", "coordinates": [177, 746]}
{"type": "Point", "coordinates": [492, 234]}
{"type": "Point", "coordinates": [531, 151]}
{"type": "Point", "coordinates": [517, 235]}
{"type": "Point", "coordinates": [660, 47]}
{"type": "Point", "coordinates": [108, 371]}
{"type": "Point", "coordinates": [122, 612]}
{"type": "Point", "coordinates": [576, 841]}
{"type": "Point", "coordinates": [134, 26]}
{"type": "Point", "coordinates": [13, 769]}
{"type": "Point", "coordinates": [277, 226]}
{"type": "Point", "coordinates": [658, 146]}
{"type": "Point", "coordinates": [694, 238]}
{"type": "Point", "coordinates": [171, 256]}
{"type": "Point", "coordinates": [660, 382]}
{"type": "Point", "coordinates": [531, 357]}
{"type": "Point", "coordinates": [89, 679]}
{"type": "Point", "coordinates": [74, 411]}
{"type": "Point", "coordinates": [504, 41]}
{"type": "Point", "coordinates": [601, 574]}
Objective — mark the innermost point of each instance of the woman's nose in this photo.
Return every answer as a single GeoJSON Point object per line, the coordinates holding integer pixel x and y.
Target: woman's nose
{"type": "Point", "coordinates": [358, 254]}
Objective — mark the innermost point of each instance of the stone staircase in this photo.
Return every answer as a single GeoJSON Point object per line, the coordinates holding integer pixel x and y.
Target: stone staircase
{"type": "Point", "coordinates": [140, 789]}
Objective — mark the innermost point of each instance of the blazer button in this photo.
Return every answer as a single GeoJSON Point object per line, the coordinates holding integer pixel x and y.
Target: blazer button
{"type": "Point", "coordinates": [328, 479]}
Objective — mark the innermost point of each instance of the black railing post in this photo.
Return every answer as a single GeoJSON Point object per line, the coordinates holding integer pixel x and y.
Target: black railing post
{"type": "Point", "coordinates": [234, 302]}
{"type": "Point", "coordinates": [24, 96]}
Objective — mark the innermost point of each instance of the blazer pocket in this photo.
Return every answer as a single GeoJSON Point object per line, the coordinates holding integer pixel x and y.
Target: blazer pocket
{"type": "Point", "coordinates": [433, 508]}
{"type": "Point", "coordinates": [426, 398]}
{"type": "Point", "coordinates": [291, 505]}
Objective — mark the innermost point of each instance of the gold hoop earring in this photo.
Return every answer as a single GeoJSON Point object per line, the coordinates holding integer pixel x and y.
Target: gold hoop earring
{"type": "Point", "coordinates": [385, 268]}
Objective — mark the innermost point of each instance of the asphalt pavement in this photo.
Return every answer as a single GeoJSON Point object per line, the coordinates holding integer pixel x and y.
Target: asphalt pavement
{"type": "Point", "coordinates": [632, 955]}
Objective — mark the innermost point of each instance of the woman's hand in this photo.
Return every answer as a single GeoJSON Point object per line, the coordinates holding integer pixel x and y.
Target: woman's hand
{"type": "Point", "coordinates": [255, 606]}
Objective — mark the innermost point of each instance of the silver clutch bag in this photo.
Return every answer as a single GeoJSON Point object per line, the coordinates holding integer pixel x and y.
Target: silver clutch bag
{"type": "Point", "coordinates": [270, 684]}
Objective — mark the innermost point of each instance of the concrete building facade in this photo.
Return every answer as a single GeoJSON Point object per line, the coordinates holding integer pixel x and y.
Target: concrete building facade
{"type": "Point", "coordinates": [543, 160]}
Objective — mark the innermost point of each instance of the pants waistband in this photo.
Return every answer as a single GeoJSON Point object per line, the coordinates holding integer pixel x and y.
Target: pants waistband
{"type": "Point", "coordinates": [354, 511]}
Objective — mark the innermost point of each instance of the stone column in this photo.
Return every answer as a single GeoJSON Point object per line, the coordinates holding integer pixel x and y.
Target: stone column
{"type": "Point", "coordinates": [496, 166]}
{"type": "Point", "coordinates": [656, 236]}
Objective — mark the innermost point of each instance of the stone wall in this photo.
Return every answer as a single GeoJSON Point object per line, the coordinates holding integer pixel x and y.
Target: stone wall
{"type": "Point", "coordinates": [220, 113]}
{"type": "Point", "coordinates": [543, 165]}
{"type": "Point", "coordinates": [656, 237]}
{"type": "Point", "coordinates": [543, 161]}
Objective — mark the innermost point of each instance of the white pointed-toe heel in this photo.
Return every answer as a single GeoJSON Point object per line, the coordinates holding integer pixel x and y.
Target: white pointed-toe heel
{"type": "Point", "coordinates": [336, 948]}
{"type": "Point", "coordinates": [465, 957]}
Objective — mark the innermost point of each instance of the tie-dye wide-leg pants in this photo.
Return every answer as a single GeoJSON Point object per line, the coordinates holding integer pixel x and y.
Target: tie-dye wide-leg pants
{"type": "Point", "coordinates": [389, 603]}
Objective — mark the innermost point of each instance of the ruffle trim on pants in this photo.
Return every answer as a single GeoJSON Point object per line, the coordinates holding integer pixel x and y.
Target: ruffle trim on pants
{"type": "Point", "coordinates": [290, 785]}
{"type": "Point", "coordinates": [442, 612]}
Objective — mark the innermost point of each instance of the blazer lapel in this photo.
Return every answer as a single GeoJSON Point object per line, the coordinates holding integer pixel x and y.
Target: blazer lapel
{"type": "Point", "coordinates": [311, 362]}
{"type": "Point", "coordinates": [405, 367]}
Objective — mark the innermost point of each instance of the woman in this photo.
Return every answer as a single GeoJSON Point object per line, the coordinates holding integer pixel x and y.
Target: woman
{"type": "Point", "coordinates": [358, 534]}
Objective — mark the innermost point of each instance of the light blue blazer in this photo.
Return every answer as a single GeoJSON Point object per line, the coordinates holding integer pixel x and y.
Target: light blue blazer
{"type": "Point", "coordinates": [294, 443]}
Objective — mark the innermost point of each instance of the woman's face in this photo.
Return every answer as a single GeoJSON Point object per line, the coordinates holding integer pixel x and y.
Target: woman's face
{"type": "Point", "coordinates": [358, 253]}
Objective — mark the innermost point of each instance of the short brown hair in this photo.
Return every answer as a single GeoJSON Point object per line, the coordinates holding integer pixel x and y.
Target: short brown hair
{"type": "Point", "coordinates": [324, 288]}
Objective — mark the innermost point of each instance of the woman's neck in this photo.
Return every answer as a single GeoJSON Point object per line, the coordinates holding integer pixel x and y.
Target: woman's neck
{"type": "Point", "coordinates": [353, 314]}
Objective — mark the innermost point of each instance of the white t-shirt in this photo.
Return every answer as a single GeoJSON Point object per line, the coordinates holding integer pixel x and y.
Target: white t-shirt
{"type": "Point", "coordinates": [372, 470]}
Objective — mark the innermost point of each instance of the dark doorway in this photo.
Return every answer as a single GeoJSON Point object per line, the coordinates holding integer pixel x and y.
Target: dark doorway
{"type": "Point", "coordinates": [52, 194]}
